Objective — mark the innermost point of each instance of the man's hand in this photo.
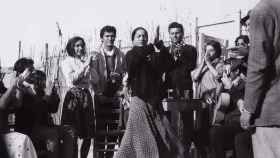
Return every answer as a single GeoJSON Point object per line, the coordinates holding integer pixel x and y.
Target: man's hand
{"type": "Point", "coordinates": [240, 104]}
{"type": "Point", "coordinates": [29, 87]}
{"type": "Point", "coordinates": [20, 80]}
{"type": "Point", "coordinates": [245, 119]}
{"type": "Point", "coordinates": [25, 73]}
{"type": "Point", "coordinates": [50, 145]}
{"type": "Point", "coordinates": [226, 81]}
{"type": "Point", "coordinates": [206, 58]}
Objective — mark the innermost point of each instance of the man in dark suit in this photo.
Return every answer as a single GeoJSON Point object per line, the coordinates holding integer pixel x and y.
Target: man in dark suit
{"type": "Point", "coordinates": [182, 60]}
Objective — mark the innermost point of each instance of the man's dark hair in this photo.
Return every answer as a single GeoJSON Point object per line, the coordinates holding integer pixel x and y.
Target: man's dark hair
{"type": "Point", "coordinates": [175, 25]}
{"type": "Point", "coordinates": [22, 63]}
{"type": "Point", "coordinates": [244, 37]}
{"type": "Point", "coordinates": [71, 43]}
{"type": "Point", "coordinates": [107, 28]}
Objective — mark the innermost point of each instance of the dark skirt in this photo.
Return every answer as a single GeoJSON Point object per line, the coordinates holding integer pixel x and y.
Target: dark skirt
{"type": "Point", "coordinates": [78, 111]}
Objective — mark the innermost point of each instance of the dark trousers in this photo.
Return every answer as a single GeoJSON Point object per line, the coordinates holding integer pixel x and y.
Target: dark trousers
{"type": "Point", "coordinates": [190, 130]}
{"type": "Point", "coordinates": [243, 145]}
{"type": "Point", "coordinates": [46, 141]}
{"type": "Point", "coordinates": [222, 138]}
{"type": "Point", "coordinates": [3, 148]}
{"type": "Point", "coordinates": [69, 147]}
{"type": "Point", "coordinates": [103, 117]}
{"type": "Point", "coordinates": [201, 129]}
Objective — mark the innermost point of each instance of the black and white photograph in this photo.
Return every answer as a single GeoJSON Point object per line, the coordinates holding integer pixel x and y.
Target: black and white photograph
{"type": "Point", "coordinates": [140, 79]}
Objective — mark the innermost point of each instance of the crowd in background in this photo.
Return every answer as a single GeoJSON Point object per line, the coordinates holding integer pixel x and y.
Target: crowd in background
{"type": "Point", "coordinates": [238, 93]}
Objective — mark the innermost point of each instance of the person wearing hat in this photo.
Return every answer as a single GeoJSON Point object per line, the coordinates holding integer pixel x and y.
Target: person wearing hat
{"type": "Point", "coordinates": [240, 51]}
{"type": "Point", "coordinates": [245, 21]}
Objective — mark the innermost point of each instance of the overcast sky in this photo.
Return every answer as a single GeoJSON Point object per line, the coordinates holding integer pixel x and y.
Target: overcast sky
{"type": "Point", "coordinates": [34, 21]}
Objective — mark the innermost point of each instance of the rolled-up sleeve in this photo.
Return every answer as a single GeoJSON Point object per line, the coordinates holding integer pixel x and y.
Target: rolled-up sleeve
{"type": "Point", "coordinates": [260, 58]}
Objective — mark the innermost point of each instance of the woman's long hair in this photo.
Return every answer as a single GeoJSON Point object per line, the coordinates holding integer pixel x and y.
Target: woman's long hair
{"type": "Point", "coordinates": [71, 43]}
{"type": "Point", "coordinates": [217, 47]}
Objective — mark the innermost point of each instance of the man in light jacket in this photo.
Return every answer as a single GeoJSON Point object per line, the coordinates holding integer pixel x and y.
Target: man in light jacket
{"type": "Point", "coordinates": [262, 104]}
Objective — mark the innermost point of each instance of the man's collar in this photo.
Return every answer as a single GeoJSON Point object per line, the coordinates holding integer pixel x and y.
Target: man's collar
{"type": "Point", "coordinates": [109, 53]}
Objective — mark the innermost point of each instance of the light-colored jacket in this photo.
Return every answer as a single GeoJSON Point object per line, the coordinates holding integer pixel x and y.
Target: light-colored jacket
{"type": "Point", "coordinates": [70, 68]}
{"type": "Point", "coordinates": [263, 75]}
{"type": "Point", "coordinates": [100, 67]}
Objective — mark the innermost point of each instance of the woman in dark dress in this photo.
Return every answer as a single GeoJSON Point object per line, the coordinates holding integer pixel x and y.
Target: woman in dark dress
{"type": "Point", "coordinates": [148, 133]}
{"type": "Point", "coordinates": [77, 114]}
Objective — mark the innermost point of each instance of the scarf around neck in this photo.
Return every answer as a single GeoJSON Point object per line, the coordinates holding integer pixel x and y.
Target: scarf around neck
{"type": "Point", "coordinates": [176, 49]}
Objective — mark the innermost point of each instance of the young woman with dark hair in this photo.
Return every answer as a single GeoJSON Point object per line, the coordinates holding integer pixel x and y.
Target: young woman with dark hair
{"type": "Point", "coordinates": [209, 72]}
{"type": "Point", "coordinates": [77, 114]}
{"type": "Point", "coordinates": [207, 79]}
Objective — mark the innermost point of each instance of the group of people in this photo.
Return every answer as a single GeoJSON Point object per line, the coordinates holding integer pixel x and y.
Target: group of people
{"type": "Point", "coordinates": [238, 94]}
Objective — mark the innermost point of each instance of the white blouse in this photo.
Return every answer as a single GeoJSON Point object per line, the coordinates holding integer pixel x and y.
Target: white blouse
{"type": "Point", "coordinates": [19, 145]}
{"type": "Point", "coordinates": [72, 69]}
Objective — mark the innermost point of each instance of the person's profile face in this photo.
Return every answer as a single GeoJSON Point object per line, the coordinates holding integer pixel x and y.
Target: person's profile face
{"type": "Point", "coordinates": [140, 38]}
{"type": "Point", "coordinates": [240, 42]}
{"type": "Point", "coordinates": [108, 38]}
{"type": "Point", "coordinates": [176, 35]}
{"type": "Point", "coordinates": [79, 48]}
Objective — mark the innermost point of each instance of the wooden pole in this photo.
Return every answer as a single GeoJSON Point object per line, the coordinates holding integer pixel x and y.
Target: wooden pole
{"type": "Point", "coordinates": [240, 26]}
{"type": "Point", "coordinates": [219, 23]}
{"type": "Point", "coordinates": [196, 33]}
{"type": "Point", "coordinates": [46, 66]}
{"type": "Point", "coordinates": [19, 49]}
{"type": "Point", "coordinates": [59, 53]}
{"type": "Point", "coordinates": [56, 79]}
{"type": "Point", "coordinates": [120, 44]}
